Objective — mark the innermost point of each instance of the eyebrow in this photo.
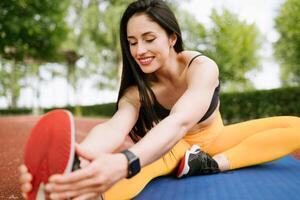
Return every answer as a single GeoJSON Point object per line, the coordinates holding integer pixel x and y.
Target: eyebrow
{"type": "Point", "coordinates": [146, 33]}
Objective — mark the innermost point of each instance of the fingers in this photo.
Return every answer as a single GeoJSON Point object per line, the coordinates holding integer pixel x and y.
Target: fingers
{"type": "Point", "coordinates": [89, 196]}
{"type": "Point", "coordinates": [25, 178]}
{"type": "Point", "coordinates": [52, 187]}
{"type": "Point", "coordinates": [76, 189]}
{"type": "Point", "coordinates": [22, 169]}
{"type": "Point", "coordinates": [24, 195]}
{"type": "Point", "coordinates": [25, 184]}
{"type": "Point", "coordinates": [25, 188]}
{"type": "Point", "coordinates": [83, 153]}
{"type": "Point", "coordinates": [25, 181]}
{"type": "Point", "coordinates": [75, 193]}
{"type": "Point", "coordinates": [83, 162]}
{"type": "Point", "coordinates": [85, 173]}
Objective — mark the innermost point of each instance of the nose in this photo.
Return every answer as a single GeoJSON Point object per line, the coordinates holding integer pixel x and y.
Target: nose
{"type": "Point", "coordinates": [141, 49]}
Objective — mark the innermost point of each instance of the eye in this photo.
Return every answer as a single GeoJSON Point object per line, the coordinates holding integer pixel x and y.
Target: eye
{"type": "Point", "coordinates": [132, 43]}
{"type": "Point", "coordinates": [150, 40]}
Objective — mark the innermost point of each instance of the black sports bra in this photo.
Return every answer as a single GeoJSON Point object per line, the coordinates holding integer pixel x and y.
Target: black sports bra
{"type": "Point", "coordinates": [162, 112]}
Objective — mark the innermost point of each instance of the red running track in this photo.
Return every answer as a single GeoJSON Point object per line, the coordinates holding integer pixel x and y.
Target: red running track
{"type": "Point", "coordinates": [13, 135]}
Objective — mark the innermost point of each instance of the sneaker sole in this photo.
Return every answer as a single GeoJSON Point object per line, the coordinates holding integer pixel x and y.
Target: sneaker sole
{"type": "Point", "coordinates": [50, 149]}
{"type": "Point", "coordinates": [183, 167]}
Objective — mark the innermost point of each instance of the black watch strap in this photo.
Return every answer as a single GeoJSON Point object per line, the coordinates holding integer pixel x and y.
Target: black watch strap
{"type": "Point", "coordinates": [133, 163]}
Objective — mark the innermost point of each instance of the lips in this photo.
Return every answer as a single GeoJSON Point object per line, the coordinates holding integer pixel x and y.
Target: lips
{"type": "Point", "coordinates": [146, 60]}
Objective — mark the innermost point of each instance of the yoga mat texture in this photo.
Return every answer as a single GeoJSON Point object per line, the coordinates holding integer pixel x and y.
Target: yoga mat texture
{"type": "Point", "coordinates": [277, 180]}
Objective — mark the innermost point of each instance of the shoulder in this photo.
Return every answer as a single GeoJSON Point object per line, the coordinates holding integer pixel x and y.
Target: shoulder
{"type": "Point", "coordinates": [204, 63]}
{"type": "Point", "coordinates": [186, 56]}
{"type": "Point", "coordinates": [132, 90]}
{"type": "Point", "coordinates": [199, 63]}
{"type": "Point", "coordinates": [131, 95]}
{"type": "Point", "coordinates": [201, 69]}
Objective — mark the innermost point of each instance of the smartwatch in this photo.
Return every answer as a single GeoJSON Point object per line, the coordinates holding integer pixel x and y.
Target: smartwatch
{"type": "Point", "coordinates": [133, 163]}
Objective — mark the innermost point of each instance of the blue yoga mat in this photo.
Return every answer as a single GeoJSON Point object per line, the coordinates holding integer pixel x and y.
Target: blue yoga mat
{"type": "Point", "coordinates": [277, 180]}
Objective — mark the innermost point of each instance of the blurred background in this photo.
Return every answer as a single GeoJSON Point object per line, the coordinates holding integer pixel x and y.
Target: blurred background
{"type": "Point", "coordinates": [66, 54]}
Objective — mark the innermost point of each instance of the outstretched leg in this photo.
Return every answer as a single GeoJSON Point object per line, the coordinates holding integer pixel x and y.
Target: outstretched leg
{"type": "Point", "coordinates": [257, 141]}
{"type": "Point", "coordinates": [129, 188]}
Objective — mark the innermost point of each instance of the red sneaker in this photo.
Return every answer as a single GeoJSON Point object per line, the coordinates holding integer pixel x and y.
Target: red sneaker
{"type": "Point", "coordinates": [50, 149]}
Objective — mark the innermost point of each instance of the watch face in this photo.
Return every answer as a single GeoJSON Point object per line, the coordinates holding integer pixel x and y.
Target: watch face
{"type": "Point", "coordinates": [135, 166]}
{"type": "Point", "coordinates": [133, 163]}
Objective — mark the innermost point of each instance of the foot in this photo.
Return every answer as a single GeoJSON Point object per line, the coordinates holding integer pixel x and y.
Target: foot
{"type": "Point", "coordinates": [197, 162]}
{"type": "Point", "coordinates": [50, 149]}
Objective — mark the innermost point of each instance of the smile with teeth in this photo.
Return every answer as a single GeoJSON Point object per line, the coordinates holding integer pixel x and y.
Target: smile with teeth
{"type": "Point", "coordinates": [146, 61]}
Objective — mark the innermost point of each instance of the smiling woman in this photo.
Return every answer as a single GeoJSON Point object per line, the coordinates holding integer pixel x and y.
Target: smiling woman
{"type": "Point", "coordinates": [168, 104]}
{"type": "Point", "coordinates": [149, 43]}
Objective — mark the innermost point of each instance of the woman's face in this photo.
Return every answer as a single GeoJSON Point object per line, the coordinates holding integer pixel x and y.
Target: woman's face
{"type": "Point", "coordinates": [149, 43]}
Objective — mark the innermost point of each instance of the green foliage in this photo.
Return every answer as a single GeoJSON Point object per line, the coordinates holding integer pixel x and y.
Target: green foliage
{"type": "Point", "coordinates": [35, 31]}
{"type": "Point", "coordinates": [237, 107]}
{"type": "Point", "coordinates": [105, 33]}
{"type": "Point", "coordinates": [95, 35]}
{"type": "Point", "coordinates": [16, 111]}
{"type": "Point", "coordinates": [192, 31]}
{"type": "Point", "coordinates": [234, 45]}
{"type": "Point", "coordinates": [287, 48]}
{"type": "Point", "coordinates": [31, 32]}
{"type": "Point", "coordinates": [10, 81]}
{"type": "Point", "coordinates": [103, 110]}
{"type": "Point", "coordinates": [31, 28]}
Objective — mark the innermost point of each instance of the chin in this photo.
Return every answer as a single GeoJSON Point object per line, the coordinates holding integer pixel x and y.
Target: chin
{"type": "Point", "coordinates": [149, 69]}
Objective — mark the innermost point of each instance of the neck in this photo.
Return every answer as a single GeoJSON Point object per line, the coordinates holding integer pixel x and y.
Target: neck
{"type": "Point", "coordinates": [170, 71]}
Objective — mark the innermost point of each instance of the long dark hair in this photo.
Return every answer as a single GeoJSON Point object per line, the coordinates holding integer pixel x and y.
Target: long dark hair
{"type": "Point", "coordinates": [132, 75]}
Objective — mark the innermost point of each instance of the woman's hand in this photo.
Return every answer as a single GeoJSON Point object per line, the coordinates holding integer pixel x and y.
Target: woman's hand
{"type": "Point", "coordinates": [94, 179]}
{"type": "Point", "coordinates": [25, 180]}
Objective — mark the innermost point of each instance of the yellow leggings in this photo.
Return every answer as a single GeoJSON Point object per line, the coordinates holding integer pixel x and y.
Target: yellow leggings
{"type": "Point", "coordinates": [244, 144]}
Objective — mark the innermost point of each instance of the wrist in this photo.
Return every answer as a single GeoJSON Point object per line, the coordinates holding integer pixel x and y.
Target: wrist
{"type": "Point", "coordinates": [123, 163]}
{"type": "Point", "coordinates": [133, 163]}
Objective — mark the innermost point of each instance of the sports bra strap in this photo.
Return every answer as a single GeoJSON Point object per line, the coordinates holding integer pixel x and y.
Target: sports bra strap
{"type": "Point", "coordinates": [194, 59]}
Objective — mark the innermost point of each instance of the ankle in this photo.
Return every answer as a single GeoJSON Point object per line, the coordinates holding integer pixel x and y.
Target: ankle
{"type": "Point", "coordinates": [222, 161]}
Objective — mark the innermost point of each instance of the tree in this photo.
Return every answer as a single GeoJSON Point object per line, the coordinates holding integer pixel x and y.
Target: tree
{"type": "Point", "coordinates": [30, 32]}
{"type": "Point", "coordinates": [103, 28]}
{"type": "Point", "coordinates": [192, 31]}
{"type": "Point", "coordinates": [10, 81]}
{"type": "Point", "coordinates": [32, 29]}
{"type": "Point", "coordinates": [234, 45]}
{"type": "Point", "coordinates": [287, 48]}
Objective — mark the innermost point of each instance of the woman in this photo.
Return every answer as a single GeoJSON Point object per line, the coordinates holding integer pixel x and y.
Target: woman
{"type": "Point", "coordinates": [168, 101]}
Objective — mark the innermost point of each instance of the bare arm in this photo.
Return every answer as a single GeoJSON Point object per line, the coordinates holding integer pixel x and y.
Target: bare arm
{"type": "Point", "coordinates": [103, 138]}
{"type": "Point", "coordinates": [108, 136]}
{"type": "Point", "coordinates": [202, 80]}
